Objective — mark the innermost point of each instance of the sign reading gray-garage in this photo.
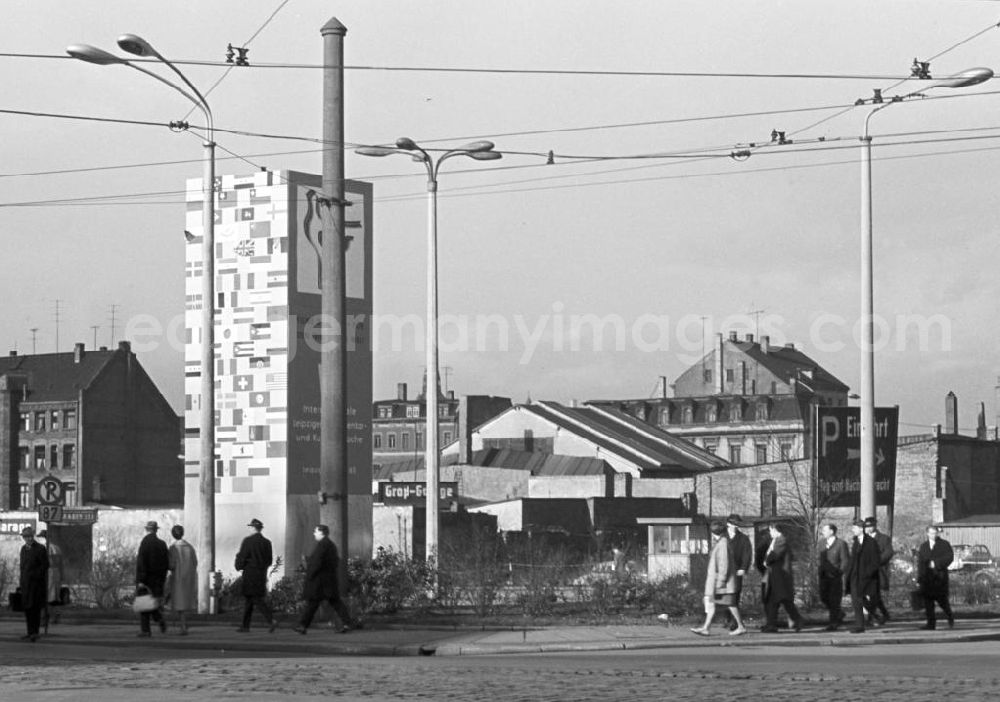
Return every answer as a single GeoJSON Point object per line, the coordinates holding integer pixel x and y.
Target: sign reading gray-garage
{"type": "Point", "coordinates": [838, 456]}
{"type": "Point", "coordinates": [413, 493]}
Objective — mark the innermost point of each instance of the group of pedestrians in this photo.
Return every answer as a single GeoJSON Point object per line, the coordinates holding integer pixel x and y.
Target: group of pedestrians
{"type": "Point", "coordinates": [859, 568]}
{"type": "Point", "coordinates": [170, 577]}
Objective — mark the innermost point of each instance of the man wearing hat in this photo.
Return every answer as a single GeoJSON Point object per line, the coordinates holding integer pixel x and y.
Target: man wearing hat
{"type": "Point", "coordinates": [254, 559]}
{"type": "Point", "coordinates": [834, 560]}
{"type": "Point", "coordinates": [33, 583]}
{"type": "Point", "coordinates": [151, 566]}
{"type": "Point", "coordinates": [862, 575]}
{"type": "Point", "coordinates": [742, 554]}
{"type": "Point", "coordinates": [878, 612]}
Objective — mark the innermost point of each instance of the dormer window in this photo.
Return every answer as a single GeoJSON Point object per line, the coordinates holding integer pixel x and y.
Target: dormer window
{"type": "Point", "coordinates": [762, 411]}
{"type": "Point", "coordinates": [712, 412]}
{"type": "Point", "coordinates": [736, 411]}
{"type": "Point", "coordinates": [664, 416]}
{"type": "Point", "coordinates": [687, 416]}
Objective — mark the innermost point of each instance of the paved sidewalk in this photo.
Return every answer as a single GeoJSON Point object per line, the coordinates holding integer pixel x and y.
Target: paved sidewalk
{"type": "Point", "coordinates": [387, 640]}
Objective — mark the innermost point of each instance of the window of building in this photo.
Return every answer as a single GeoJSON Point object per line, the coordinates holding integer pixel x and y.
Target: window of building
{"type": "Point", "coordinates": [786, 450]}
{"type": "Point", "coordinates": [25, 423]}
{"type": "Point", "coordinates": [774, 387]}
{"type": "Point", "coordinates": [735, 454]}
{"type": "Point", "coordinates": [39, 421]}
{"type": "Point", "coordinates": [762, 412]}
{"type": "Point", "coordinates": [736, 411]}
{"type": "Point", "coordinates": [760, 453]}
{"type": "Point", "coordinates": [677, 539]}
{"type": "Point", "coordinates": [768, 498]}
{"type": "Point", "coordinates": [447, 438]}
{"type": "Point", "coordinates": [25, 457]}
{"type": "Point", "coordinates": [711, 412]}
{"type": "Point", "coordinates": [54, 456]}
{"type": "Point", "coordinates": [391, 440]}
{"type": "Point", "coordinates": [712, 446]}
{"type": "Point", "coordinates": [69, 456]}
{"type": "Point", "coordinates": [377, 441]}
{"type": "Point", "coordinates": [442, 410]}
{"type": "Point", "coordinates": [664, 416]}
{"type": "Point", "coordinates": [729, 375]}
{"type": "Point", "coordinates": [39, 458]}
{"type": "Point", "coordinates": [419, 441]}
{"type": "Point", "coordinates": [384, 412]}
{"type": "Point", "coordinates": [26, 496]}
{"type": "Point", "coordinates": [71, 494]}
{"type": "Point", "coordinates": [706, 375]}
{"type": "Point", "coordinates": [687, 416]}
{"type": "Point", "coordinates": [412, 411]}
{"type": "Point", "coordinates": [405, 440]}
{"type": "Point", "coordinates": [69, 419]}
{"type": "Point", "coordinates": [54, 422]}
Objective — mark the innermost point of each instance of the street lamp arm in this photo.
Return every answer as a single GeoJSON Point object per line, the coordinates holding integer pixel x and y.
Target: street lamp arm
{"type": "Point", "coordinates": [199, 103]}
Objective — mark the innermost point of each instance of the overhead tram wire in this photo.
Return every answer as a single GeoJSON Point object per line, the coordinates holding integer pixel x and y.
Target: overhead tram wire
{"type": "Point", "coordinates": [108, 199]}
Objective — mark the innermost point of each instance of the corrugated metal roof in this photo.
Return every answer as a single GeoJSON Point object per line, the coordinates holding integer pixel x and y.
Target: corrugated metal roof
{"type": "Point", "coordinates": [535, 462]}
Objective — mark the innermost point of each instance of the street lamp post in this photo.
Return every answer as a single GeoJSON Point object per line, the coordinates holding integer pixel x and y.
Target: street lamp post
{"type": "Point", "coordinates": [206, 485]}
{"type": "Point", "coordinates": [972, 76]}
{"type": "Point", "coordinates": [480, 151]}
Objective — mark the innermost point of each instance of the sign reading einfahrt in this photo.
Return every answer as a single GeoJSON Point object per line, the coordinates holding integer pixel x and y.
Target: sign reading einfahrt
{"type": "Point", "coordinates": [413, 493]}
{"type": "Point", "coordinates": [838, 456]}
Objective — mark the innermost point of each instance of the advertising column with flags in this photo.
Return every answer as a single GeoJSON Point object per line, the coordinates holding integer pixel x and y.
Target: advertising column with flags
{"type": "Point", "coordinates": [838, 456]}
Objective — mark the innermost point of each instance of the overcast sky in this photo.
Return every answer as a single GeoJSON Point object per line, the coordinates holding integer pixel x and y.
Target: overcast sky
{"type": "Point", "coordinates": [647, 246]}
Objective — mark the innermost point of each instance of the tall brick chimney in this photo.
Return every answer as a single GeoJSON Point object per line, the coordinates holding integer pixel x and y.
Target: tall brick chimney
{"type": "Point", "coordinates": [950, 413]}
{"type": "Point", "coordinates": [401, 391]}
{"type": "Point", "coordinates": [720, 366]}
{"type": "Point", "coordinates": [464, 431]}
{"type": "Point", "coordinates": [77, 352]}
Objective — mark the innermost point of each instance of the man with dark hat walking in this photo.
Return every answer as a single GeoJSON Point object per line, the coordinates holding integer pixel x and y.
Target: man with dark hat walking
{"type": "Point", "coordinates": [151, 566]}
{"type": "Point", "coordinates": [878, 611]}
{"type": "Point", "coordinates": [862, 575]}
{"type": "Point", "coordinates": [834, 560]}
{"type": "Point", "coordinates": [742, 554]}
{"type": "Point", "coordinates": [254, 559]}
{"type": "Point", "coordinates": [933, 558]}
{"type": "Point", "coordinates": [33, 583]}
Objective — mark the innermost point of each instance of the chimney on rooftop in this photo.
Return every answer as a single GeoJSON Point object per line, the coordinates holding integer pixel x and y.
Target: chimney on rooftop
{"type": "Point", "coordinates": [750, 338]}
{"type": "Point", "coordinates": [765, 344]}
{"type": "Point", "coordinates": [123, 346]}
{"type": "Point", "coordinates": [401, 391]}
{"type": "Point", "coordinates": [77, 352]}
{"type": "Point", "coordinates": [950, 413]}
{"type": "Point", "coordinates": [464, 432]}
{"type": "Point", "coordinates": [733, 336]}
{"type": "Point", "coordinates": [719, 364]}
{"type": "Point", "coordinates": [14, 352]}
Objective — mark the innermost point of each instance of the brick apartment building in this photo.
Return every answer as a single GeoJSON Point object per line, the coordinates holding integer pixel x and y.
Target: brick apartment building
{"type": "Point", "coordinates": [94, 420]}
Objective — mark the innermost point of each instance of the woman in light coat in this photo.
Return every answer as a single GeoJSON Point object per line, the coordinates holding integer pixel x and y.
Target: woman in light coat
{"type": "Point", "coordinates": [183, 584]}
{"type": "Point", "coordinates": [721, 585]}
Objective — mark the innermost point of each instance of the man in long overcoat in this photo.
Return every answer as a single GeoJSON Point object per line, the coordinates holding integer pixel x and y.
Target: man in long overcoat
{"type": "Point", "coordinates": [33, 583]}
{"type": "Point", "coordinates": [151, 566]}
{"type": "Point", "coordinates": [742, 552]}
{"type": "Point", "coordinates": [933, 558]}
{"type": "Point", "coordinates": [862, 577]}
{"type": "Point", "coordinates": [254, 559]}
{"type": "Point", "coordinates": [779, 588]}
{"type": "Point", "coordinates": [834, 560]}
{"type": "Point", "coordinates": [878, 612]}
{"type": "Point", "coordinates": [321, 582]}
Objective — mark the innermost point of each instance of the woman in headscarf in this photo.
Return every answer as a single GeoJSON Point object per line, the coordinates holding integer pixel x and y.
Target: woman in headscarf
{"type": "Point", "coordinates": [721, 586]}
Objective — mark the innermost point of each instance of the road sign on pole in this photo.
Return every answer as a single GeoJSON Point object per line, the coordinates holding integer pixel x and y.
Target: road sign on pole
{"type": "Point", "coordinates": [50, 513]}
{"type": "Point", "coordinates": [838, 456]}
{"type": "Point", "coordinates": [50, 490]}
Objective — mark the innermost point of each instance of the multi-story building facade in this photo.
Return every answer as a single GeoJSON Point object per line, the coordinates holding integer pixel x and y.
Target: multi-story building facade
{"type": "Point", "coordinates": [94, 420]}
{"type": "Point", "coordinates": [267, 359]}
{"type": "Point", "coordinates": [746, 401]}
{"type": "Point", "coordinates": [399, 425]}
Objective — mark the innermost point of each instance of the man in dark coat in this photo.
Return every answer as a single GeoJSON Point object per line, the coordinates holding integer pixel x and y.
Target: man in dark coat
{"type": "Point", "coordinates": [321, 583]}
{"type": "Point", "coordinates": [862, 576]}
{"type": "Point", "coordinates": [33, 583]}
{"type": "Point", "coordinates": [834, 560]}
{"type": "Point", "coordinates": [933, 558]}
{"type": "Point", "coordinates": [151, 566]}
{"type": "Point", "coordinates": [779, 588]}
{"type": "Point", "coordinates": [254, 559]}
{"type": "Point", "coordinates": [742, 554]}
{"type": "Point", "coordinates": [878, 611]}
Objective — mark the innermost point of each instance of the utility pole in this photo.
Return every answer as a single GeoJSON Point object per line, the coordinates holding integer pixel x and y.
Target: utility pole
{"type": "Point", "coordinates": [333, 508]}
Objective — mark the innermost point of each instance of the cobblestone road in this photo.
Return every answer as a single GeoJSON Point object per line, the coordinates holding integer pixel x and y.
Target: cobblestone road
{"type": "Point", "coordinates": [501, 679]}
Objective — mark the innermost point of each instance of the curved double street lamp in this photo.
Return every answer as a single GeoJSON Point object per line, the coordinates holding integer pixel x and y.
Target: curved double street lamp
{"type": "Point", "coordinates": [138, 46]}
{"type": "Point", "coordinates": [967, 78]}
{"type": "Point", "coordinates": [480, 151]}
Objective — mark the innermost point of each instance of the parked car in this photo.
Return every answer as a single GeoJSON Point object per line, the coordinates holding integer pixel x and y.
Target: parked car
{"type": "Point", "coordinates": [974, 557]}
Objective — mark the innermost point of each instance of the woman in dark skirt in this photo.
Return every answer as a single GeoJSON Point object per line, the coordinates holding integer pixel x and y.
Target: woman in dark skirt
{"type": "Point", "coordinates": [721, 586]}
